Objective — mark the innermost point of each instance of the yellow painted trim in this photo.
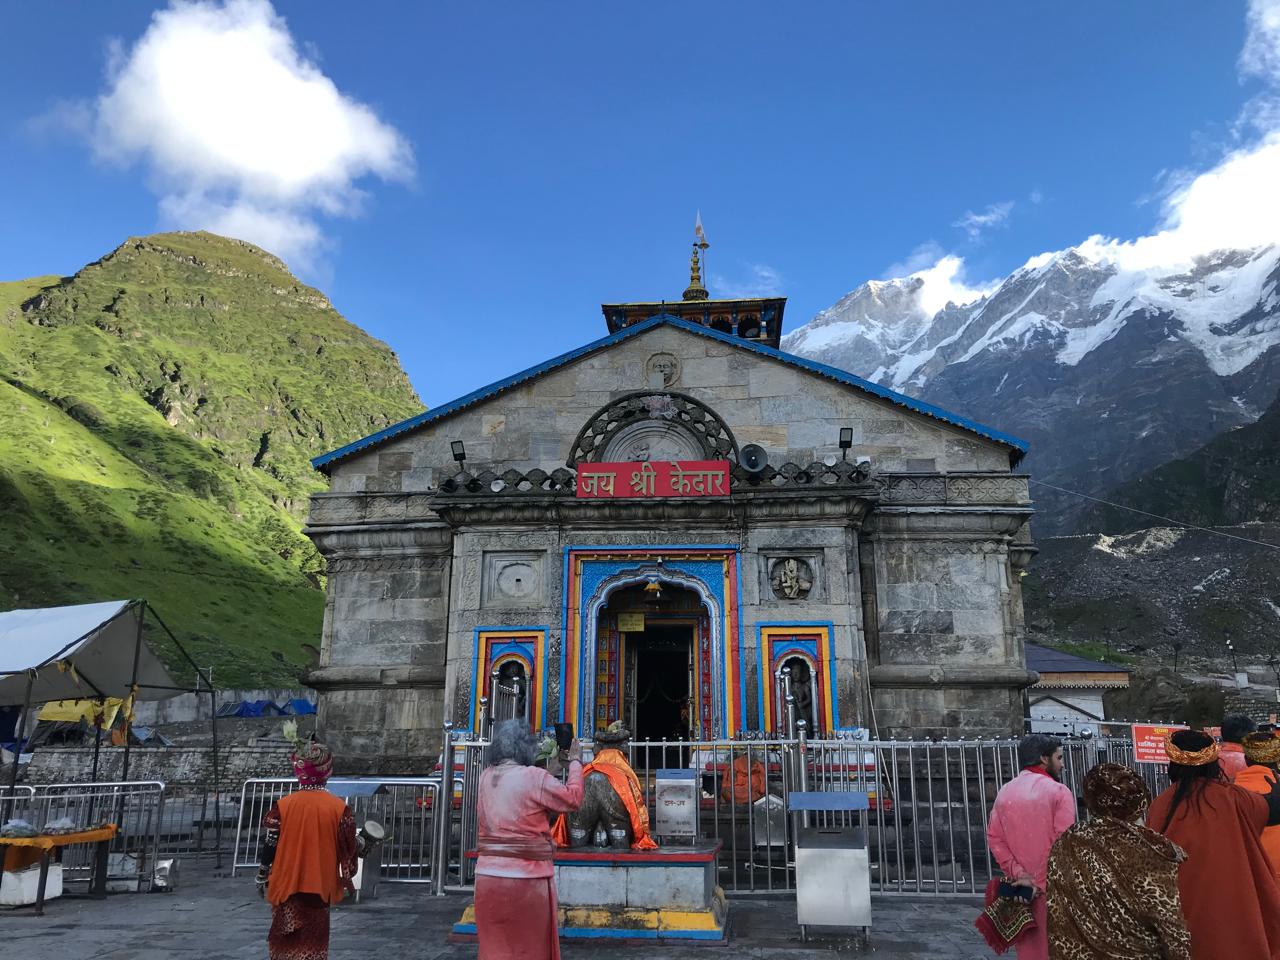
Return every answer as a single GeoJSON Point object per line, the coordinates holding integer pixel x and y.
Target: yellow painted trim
{"type": "Point", "coordinates": [637, 919]}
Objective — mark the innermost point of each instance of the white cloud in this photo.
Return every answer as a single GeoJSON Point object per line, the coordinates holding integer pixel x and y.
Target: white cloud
{"type": "Point", "coordinates": [240, 132]}
{"type": "Point", "coordinates": [945, 282]}
{"type": "Point", "coordinates": [764, 281]}
{"type": "Point", "coordinates": [943, 276]}
{"type": "Point", "coordinates": [1261, 54]}
{"type": "Point", "coordinates": [975, 223]}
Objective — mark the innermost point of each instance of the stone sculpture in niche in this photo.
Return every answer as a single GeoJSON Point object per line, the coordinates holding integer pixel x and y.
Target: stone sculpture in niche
{"type": "Point", "coordinates": [792, 579]}
{"type": "Point", "coordinates": [802, 690]}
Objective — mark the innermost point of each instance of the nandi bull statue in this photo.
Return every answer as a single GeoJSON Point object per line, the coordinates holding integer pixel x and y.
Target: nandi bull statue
{"type": "Point", "coordinates": [613, 811]}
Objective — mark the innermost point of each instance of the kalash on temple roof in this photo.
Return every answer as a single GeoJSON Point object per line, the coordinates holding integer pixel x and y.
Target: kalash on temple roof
{"type": "Point", "coordinates": [649, 528]}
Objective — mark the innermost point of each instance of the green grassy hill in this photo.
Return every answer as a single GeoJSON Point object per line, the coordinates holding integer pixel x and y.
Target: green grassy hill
{"type": "Point", "coordinates": [157, 414]}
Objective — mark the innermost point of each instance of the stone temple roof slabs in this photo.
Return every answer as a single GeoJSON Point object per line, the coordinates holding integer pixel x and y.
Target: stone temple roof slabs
{"type": "Point", "coordinates": [1017, 447]}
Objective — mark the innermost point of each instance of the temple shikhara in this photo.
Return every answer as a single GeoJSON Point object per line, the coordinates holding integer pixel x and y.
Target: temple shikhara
{"type": "Point", "coordinates": [649, 527]}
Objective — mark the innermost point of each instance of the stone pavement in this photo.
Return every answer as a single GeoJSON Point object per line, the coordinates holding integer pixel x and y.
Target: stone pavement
{"type": "Point", "coordinates": [221, 918]}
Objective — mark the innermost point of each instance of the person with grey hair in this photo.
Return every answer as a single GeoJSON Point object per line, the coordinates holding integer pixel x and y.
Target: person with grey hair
{"type": "Point", "coordinates": [1031, 811]}
{"type": "Point", "coordinates": [515, 877]}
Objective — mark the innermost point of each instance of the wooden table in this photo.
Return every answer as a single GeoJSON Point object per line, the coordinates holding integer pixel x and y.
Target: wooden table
{"type": "Point", "coordinates": [44, 844]}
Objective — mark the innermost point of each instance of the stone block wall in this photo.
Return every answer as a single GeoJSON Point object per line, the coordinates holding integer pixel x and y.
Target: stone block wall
{"type": "Point", "coordinates": [170, 765]}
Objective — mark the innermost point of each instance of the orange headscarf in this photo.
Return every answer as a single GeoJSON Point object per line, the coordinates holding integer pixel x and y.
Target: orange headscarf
{"type": "Point", "coordinates": [626, 785]}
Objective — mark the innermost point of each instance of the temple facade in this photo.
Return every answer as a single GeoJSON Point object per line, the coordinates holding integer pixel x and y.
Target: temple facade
{"type": "Point", "coordinates": [650, 527]}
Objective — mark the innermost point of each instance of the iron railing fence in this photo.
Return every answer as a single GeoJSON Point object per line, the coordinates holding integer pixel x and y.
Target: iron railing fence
{"type": "Point", "coordinates": [405, 806]}
{"type": "Point", "coordinates": [197, 820]}
{"type": "Point", "coordinates": [925, 827]}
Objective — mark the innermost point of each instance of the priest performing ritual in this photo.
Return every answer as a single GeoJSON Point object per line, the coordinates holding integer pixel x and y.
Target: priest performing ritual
{"type": "Point", "coordinates": [1229, 893]}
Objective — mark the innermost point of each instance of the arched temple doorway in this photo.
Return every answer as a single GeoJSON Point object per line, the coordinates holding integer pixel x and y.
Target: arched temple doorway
{"type": "Point", "coordinates": [650, 667]}
{"type": "Point", "coordinates": [655, 603]}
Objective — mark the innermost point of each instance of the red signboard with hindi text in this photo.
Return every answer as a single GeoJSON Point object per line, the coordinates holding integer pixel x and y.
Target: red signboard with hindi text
{"type": "Point", "coordinates": [1148, 741]}
{"type": "Point", "coordinates": [659, 478]}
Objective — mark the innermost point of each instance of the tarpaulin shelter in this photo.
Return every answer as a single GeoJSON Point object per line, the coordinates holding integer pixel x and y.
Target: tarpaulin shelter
{"type": "Point", "coordinates": [87, 651]}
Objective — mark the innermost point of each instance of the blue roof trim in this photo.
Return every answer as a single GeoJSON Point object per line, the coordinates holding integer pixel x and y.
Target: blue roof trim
{"type": "Point", "coordinates": [821, 369]}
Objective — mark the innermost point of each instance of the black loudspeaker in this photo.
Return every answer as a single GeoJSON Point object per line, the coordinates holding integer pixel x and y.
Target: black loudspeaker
{"type": "Point", "coordinates": [753, 458]}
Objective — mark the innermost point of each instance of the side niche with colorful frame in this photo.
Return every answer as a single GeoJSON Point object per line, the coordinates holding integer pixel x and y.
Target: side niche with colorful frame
{"type": "Point", "coordinates": [798, 645]}
{"type": "Point", "coordinates": [495, 648]}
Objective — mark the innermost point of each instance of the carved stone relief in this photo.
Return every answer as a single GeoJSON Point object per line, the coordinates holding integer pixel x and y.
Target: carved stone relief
{"type": "Point", "coordinates": [665, 364]}
{"type": "Point", "coordinates": [791, 578]}
{"type": "Point", "coordinates": [693, 419]}
{"type": "Point", "coordinates": [384, 564]}
{"type": "Point", "coordinates": [512, 579]}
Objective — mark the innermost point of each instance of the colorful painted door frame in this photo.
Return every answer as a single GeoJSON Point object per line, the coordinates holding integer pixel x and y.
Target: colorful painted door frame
{"type": "Point", "coordinates": [591, 574]}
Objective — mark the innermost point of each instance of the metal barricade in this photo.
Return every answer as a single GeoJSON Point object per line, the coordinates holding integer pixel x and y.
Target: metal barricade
{"type": "Point", "coordinates": [192, 816]}
{"type": "Point", "coordinates": [405, 806]}
{"type": "Point", "coordinates": [925, 826]}
{"type": "Point", "coordinates": [136, 807]}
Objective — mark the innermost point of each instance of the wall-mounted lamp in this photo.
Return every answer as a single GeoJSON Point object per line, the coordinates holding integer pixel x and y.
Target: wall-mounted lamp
{"type": "Point", "coordinates": [846, 441]}
{"type": "Point", "coordinates": [459, 451]}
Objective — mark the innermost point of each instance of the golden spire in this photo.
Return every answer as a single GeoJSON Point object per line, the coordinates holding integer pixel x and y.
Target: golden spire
{"type": "Point", "coordinates": [696, 291]}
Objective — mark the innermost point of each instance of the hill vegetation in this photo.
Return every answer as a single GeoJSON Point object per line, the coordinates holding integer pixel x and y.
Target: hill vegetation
{"type": "Point", "coordinates": [157, 414]}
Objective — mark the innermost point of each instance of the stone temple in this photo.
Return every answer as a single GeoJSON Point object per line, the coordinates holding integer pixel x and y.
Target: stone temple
{"type": "Point", "coordinates": [651, 526]}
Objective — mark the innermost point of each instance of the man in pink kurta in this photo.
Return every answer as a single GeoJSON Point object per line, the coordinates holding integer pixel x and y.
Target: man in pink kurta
{"type": "Point", "coordinates": [1030, 812]}
{"type": "Point", "coordinates": [515, 874]}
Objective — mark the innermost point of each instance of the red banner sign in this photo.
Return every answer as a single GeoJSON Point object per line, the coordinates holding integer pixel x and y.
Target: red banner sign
{"type": "Point", "coordinates": [1148, 741]}
{"type": "Point", "coordinates": [661, 478]}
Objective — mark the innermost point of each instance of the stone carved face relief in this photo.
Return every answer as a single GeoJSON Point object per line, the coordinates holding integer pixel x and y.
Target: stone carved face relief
{"type": "Point", "coordinates": [666, 364]}
{"type": "Point", "coordinates": [791, 579]}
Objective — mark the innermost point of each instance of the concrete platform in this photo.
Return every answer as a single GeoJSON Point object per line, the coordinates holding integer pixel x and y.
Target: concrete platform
{"type": "Point", "coordinates": [221, 918]}
{"type": "Point", "coordinates": [666, 894]}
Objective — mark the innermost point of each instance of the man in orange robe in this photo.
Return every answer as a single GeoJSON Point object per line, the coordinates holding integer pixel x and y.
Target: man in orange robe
{"type": "Point", "coordinates": [1262, 751]}
{"type": "Point", "coordinates": [1229, 893]}
{"type": "Point", "coordinates": [1230, 751]}
{"type": "Point", "coordinates": [748, 782]}
{"type": "Point", "coordinates": [307, 860]}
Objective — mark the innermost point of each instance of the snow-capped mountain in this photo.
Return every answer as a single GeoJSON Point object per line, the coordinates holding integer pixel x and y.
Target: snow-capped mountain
{"type": "Point", "coordinates": [1106, 369]}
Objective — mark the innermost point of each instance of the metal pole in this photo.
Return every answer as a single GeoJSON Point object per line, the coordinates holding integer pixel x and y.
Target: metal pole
{"type": "Point", "coordinates": [18, 732]}
{"type": "Point", "coordinates": [802, 729]}
{"type": "Point", "coordinates": [133, 683]}
{"type": "Point", "coordinates": [444, 815]}
{"type": "Point", "coordinates": [100, 721]}
{"type": "Point", "coordinates": [217, 782]}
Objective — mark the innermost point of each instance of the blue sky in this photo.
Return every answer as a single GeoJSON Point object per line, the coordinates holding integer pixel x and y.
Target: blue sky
{"type": "Point", "coordinates": [532, 160]}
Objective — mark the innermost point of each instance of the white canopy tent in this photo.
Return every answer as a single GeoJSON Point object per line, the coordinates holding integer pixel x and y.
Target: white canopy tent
{"type": "Point", "coordinates": [85, 651]}
{"type": "Point", "coordinates": [90, 651]}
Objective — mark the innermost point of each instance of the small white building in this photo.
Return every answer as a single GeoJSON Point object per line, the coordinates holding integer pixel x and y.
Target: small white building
{"type": "Point", "coordinates": [1068, 697]}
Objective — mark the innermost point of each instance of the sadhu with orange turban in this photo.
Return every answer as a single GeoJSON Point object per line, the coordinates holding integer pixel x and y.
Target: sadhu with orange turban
{"type": "Point", "coordinates": [308, 856]}
{"type": "Point", "coordinates": [1230, 896]}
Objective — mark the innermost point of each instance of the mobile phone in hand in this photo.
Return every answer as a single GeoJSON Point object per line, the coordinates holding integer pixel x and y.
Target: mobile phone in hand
{"type": "Point", "coordinates": [564, 735]}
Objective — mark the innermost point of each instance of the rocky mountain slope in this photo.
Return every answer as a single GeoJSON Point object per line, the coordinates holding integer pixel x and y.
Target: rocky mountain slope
{"type": "Point", "coordinates": [1108, 371]}
{"type": "Point", "coordinates": [1235, 478]}
{"type": "Point", "coordinates": [157, 413]}
{"type": "Point", "coordinates": [1144, 592]}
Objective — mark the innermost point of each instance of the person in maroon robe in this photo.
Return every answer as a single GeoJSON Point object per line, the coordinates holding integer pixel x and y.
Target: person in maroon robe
{"type": "Point", "coordinates": [1229, 893]}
